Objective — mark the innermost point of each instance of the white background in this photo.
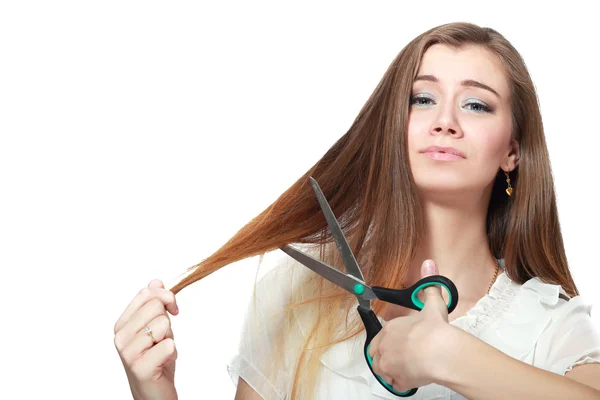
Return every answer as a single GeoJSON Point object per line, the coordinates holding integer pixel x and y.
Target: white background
{"type": "Point", "coordinates": [137, 137]}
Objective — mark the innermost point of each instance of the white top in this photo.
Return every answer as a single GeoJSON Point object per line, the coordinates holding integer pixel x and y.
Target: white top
{"type": "Point", "coordinates": [530, 322]}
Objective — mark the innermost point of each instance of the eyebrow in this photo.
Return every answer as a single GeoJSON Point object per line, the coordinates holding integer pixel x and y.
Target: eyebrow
{"type": "Point", "coordinates": [466, 82]}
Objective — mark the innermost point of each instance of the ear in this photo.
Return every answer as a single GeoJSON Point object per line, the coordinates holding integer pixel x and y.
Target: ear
{"type": "Point", "coordinates": [512, 158]}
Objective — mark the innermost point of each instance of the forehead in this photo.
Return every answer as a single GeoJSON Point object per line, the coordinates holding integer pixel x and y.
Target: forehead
{"type": "Point", "coordinates": [451, 66]}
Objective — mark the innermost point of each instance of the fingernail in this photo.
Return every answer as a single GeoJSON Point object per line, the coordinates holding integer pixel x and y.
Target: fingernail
{"type": "Point", "coordinates": [429, 267]}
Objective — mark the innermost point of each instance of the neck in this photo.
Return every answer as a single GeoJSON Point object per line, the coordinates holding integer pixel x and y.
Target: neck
{"type": "Point", "coordinates": [455, 239]}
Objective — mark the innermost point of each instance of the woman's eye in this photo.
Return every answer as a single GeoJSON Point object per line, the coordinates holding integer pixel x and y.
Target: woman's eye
{"type": "Point", "coordinates": [477, 107]}
{"type": "Point", "coordinates": [480, 107]}
{"type": "Point", "coordinates": [420, 100]}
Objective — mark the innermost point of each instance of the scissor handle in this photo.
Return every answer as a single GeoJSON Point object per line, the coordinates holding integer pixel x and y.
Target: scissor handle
{"type": "Point", "coordinates": [409, 297]}
{"type": "Point", "coordinates": [373, 327]}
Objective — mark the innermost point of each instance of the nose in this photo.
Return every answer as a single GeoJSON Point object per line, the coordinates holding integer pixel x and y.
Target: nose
{"type": "Point", "coordinates": [445, 122]}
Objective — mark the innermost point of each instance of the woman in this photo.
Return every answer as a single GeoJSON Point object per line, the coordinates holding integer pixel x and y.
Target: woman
{"type": "Point", "coordinates": [444, 171]}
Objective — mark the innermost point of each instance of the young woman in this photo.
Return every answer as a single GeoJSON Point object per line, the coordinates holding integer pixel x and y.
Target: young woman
{"type": "Point", "coordinates": [444, 171]}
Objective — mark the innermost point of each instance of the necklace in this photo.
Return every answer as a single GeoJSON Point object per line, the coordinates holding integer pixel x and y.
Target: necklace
{"type": "Point", "coordinates": [495, 276]}
{"type": "Point", "coordinates": [402, 286]}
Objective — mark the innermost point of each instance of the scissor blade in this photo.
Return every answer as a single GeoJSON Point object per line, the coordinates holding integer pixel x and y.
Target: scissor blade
{"type": "Point", "coordinates": [340, 240]}
{"type": "Point", "coordinates": [347, 282]}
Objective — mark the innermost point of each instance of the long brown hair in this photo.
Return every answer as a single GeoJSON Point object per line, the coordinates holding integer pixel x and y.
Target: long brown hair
{"type": "Point", "coordinates": [366, 178]}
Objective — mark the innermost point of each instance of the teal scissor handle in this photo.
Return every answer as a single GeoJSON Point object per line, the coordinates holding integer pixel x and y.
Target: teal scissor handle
{"type": "Point", "coordinates": [406, 298]}
{"type": "Point", "coordinates": [373, 326]}
{"type": "Point", "coordinates": [415, 294]}
{"type": "Point", "coordinates": [389, 387]}
{"type": "Point", "coordinates": [409, 297]}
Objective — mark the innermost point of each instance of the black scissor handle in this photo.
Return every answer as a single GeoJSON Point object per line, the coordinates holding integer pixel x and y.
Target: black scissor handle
{"type": "Point", "coordinates": [409, 297]}
{"type": "Point", "coordinates": [373, 327]}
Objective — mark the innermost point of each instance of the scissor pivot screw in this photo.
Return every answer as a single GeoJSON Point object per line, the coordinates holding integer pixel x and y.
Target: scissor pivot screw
{"type": "Point", "coordinates": [359, 289]}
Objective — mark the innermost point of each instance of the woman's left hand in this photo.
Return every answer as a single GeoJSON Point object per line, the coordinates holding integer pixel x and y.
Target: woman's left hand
{"type": "Point", "coordinates": [407, 351]}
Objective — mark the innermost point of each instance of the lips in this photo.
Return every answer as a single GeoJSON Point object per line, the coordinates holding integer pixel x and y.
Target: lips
{"type": "Point", "coordinates": [444, 150]}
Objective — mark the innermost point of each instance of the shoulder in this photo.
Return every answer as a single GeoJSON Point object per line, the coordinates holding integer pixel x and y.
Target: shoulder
{"type": "Point", "coordinates": [270, 340]}
{"type": "Point", "coordinates": [553, 302]}
{"type": "Point", "coordinates": [563, 311]}
{"type": "Point", "coordinates": [536, 297]}
{"type": "Point", "coordinates": [550, 303]}
{"type": "Point", "coordinates": [545, 327]}
{"type": "Point", "coordinates": [520, 319]}
{"type": "Point", "coordinates": [571, 336]}
{"type": "Point", "coordinates": [281, 282]}
{"type": "Point", "coordinates": [552, 296]}
{"type": "Point", "coordinates": [279, 273]}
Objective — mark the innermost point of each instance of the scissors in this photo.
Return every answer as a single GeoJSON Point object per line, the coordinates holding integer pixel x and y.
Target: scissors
{"type": "Point", "coordinates": [354, 282]}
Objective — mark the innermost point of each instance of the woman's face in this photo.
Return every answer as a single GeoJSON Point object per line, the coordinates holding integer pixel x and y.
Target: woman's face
{"type": "Point", "coordinates": [451, 107]}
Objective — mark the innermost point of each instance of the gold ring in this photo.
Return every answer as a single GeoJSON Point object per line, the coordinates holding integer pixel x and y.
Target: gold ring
{"type": "Point", "coordinates": [148, 332]}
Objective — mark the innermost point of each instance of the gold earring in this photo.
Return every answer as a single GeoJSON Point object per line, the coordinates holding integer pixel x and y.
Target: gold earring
{"type": "Point", "coordinates": [509, 189]}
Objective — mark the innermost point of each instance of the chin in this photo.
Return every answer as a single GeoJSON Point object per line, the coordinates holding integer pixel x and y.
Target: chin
{"type": "Point", "coordinates": [442, 186]}
{"type": "Point", "coordinates": [442, 182]}
{"type": "Point", "coordinates": [441, 189]}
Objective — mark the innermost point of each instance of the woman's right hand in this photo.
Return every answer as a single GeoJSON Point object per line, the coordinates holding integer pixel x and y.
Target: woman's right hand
{"type": "Point", "coordinates": [150, 367]}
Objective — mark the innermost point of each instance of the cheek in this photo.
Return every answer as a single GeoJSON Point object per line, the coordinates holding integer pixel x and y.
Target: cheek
{"type": "Point", "coordinates": [491, 146]}
{"type": "Point", "coordinates": [414, 139]}
{"type": "Point", "coordinates": [487, 156]}
{"type": "Point", "coordinates": [415, 128]}
{"type": "Point", "coordinates": [491, 136]}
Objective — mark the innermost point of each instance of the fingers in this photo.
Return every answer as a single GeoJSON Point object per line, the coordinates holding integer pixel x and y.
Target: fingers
{"type": "Point", "coordinates": [376, 357]}
{"type": "Point", "coordinates": [374, 345]}
{"type": "Point", "coordinates": [141, 342]}
{"type": "Point", "coordinates": [154, 309]}
{"type": "Point", "coordinates": [147, 309]}
{"type": "Point", "coordinates": [377, 369]}
{"type": "Point", "coordinates": [156, 283]}
{"type": "Point", "coordinates": [154, 290]}
{"type": "Point", "coordinates": [149, 365]}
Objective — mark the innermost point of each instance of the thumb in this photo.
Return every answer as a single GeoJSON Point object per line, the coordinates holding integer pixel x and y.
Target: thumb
{"type": "Point", "coordinates": [429, 268]}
